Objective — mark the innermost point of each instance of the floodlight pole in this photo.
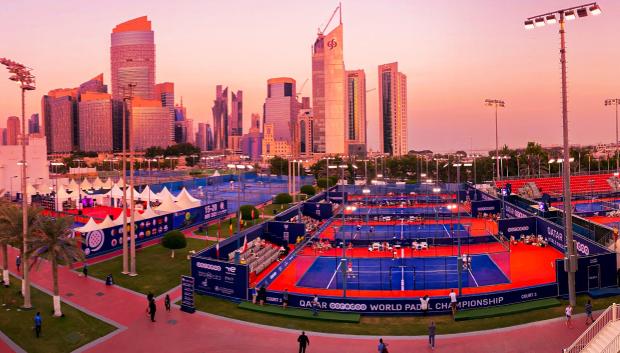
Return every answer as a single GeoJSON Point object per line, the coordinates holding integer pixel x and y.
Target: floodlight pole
{"type": "Point", "coordinates": [615, 102]}
{"type": "Point", "coordinates": [132, 239]}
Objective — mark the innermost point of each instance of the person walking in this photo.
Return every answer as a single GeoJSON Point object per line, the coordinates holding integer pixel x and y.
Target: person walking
{"type": "Point", "coordinates": [382, 347]}
{"type": "Point", "coordinates": [85, 269]}
{"type": "Point", "coordinates": [18, 262]}
{"type": "Point", "coordinates": [453, 302]}
{"type": "Point", "coordinates": [569, 315]}
{"type": "Point", "coordinates": [424, 304]}
{"type": "Point", "coordinates": [588, 310]}
{"type": "Point", "coordinates": [304, 341]}
{"type": "Point", "coordinates": [152, 309]}
{"type": "Point", "coordinates": [38, 322]}
{"type": "Point", "coordinates": [431, 334]}
{"type": "Point", "coordinates": [167, 302]}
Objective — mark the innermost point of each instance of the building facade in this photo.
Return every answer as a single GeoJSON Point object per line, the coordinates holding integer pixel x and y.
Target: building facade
{"type": "Point", "coordinates": [165, 93]}
{"type": "Point", "coordinates": [220, 118]}
{"type": "Point", "coordinates": [252, 142]}
{"type": "Point", "coordinates": [151, 124]}
{"type": "Point", "coordinates": [392, 110]}
{"type": "Point", "coordinates": [132, 54]}
{"type": "Point", "coordinates": [355, 124]}
{"type": "Point", "coordinates": [328, 92]}
{"type": "Point", "coordinates": [235, 127]}
{"type": "Point", "coordinates": [59, 116]}
{"type": "Point", "coordinates": [281, 107]}
{"type": "Point", "coordinates": [12, 130]}
{"type": "Point", "coordinates": [95, 122]}
{"type": "Point", "coordinates": [34, 126]}
{"type": "Point", "coordinates": [273, 147]}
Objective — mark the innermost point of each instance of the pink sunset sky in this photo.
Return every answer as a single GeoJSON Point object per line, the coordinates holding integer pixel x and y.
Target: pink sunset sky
{"type": "Point", "coordinates": [455, 54]}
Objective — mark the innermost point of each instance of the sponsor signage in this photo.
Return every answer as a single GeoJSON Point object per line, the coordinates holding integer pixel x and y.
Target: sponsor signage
{"type": "Point", "coordinates": [187, 294]}
{"type": "Point", "coordinates": [220, 278]}
{"type": "Point", "coordinates": [485, 206]}
{"type": "Point", "coordinates": [515, 227]}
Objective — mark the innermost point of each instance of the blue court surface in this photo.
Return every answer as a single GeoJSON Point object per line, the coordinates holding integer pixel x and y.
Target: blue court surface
{"type": "Point", "coordinates": [409, 211]}
{"type": "Point", "coordinates": [401, 231]}
{"type": "Point", "coordinates": [415, 198]}
{"type": "Point", "coordinates": [400, 274]}
{"type": "Point", "coordinates": [596, 206]}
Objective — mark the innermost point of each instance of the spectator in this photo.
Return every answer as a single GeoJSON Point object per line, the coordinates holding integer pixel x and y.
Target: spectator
{"type": "Point", "coordinates": [254, 295]}
{"type": "Point", "coordinates": [37, 324]}
{"type": "Point", "coordinates": [152, 309]}
{"type": "Point", "coordinates": [285, 299]}
{"type": "Point", "coordinates": [569, 315]}
{"type": "Point", "coordinates": [431, 334]}
{"type": "Point", "coordinates": [315, 305]}
{"type": "Point", "coordinates": [85, 269]}
{"type": "Point", "coordinates": [424, 304]}
{"type": "Point", "coordinates": [453, 302]}
{"type": "Point", "coordinates": [303, 342]}
{"type": "Point", "coordinates": [109, 280]}
{"type": "Point", "coordinates": [18, 262]}
{"type": "Point", "coordinates": [382, 347]}
{"type": "Point", "coordinates": [167, 302]}
{"type": "Point", "coordinates": [589, 312]}
{"type": "Point", "coordinates": [262, 295]}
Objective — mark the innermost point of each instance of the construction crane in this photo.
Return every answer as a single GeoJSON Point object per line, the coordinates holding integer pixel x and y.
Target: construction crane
{"type": "Point", "coordinates": [301, 89]}
{"type": "Point", "coordinates": [338, 9]}
{"type": "Point", "coordinates": [370, 90]}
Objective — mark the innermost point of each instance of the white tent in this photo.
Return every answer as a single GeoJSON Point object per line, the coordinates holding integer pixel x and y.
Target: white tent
{"type": "Point", "coordinates": [185, 194]}
{"type": "Point", "coordinates": [164, 194]}
{"type": "Point", "coordinates": [108, 183]}
{"type": "Point", "coordinates": [167, 204]}
{"type": "Point", "coordinates": [147, 194]}
{"type": "Point", "coordinates": [216, 173]}
{"type": "Point", "coordinates": [119, 220]}
{"type": "Point", "coordinates": [85, 184]}
{"type": "Point", "coordinates": [31, 190]}
{"type": "Point", "coordinates": [116, 191]}
{"type": "Point", "coordinates": [185, 200]}
{"type": "Point", "coordinates": [149, 213]}
{"type": "Point", "coordinates": [72, 185]}
{"type": "Point", "coordinates": [44, 188]}
{"type": "Point", "coordinates": [89, 226]}
{"type": "Point", "coordinates": [97, 184]}
{"type": "Point", "coordinates": [107, 222]}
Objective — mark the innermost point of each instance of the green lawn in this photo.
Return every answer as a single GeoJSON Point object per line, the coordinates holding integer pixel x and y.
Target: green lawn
{"type": "Point", "coordinates": [59, 334]}
{"type": "Point", "coordinates": [157, 271]}
{"type": "Point", "coordinates": [392, 325]}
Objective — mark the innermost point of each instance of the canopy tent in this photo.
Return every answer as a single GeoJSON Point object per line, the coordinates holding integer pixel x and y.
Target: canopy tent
{"type": "Point", "coordinates": [97, 183]}
{"type": "Point", "coordinates": [185, 200]}
{"type": "Point", "coordinates": [89, 226]}
{"type": "Point", "coordinates": [107, 222]}
{"type": "Point", "coordinates": [108, 183]}
{"type": "Point", "coordinates": [85, 184]}
{"type": "Point", "coordinates": [216, 174]}
{"type": "Point", "coordinates": [164, 194]}
{"type": "Point", "coordinates": [147, 194]}
{"type": "Point", "coordinates": [167, 204]}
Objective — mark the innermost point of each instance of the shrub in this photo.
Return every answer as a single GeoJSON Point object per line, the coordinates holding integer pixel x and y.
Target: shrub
{"type": "Point", "coordinates": [246, 212]}
{"type": "Point", "coordinates": [174, 240]}
{"type": "Point", "coordinates": [308, 190]}
{"type": "Point", "coordinates": [282, 198]}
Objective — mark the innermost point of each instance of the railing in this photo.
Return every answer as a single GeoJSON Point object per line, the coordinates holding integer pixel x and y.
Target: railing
{"type": "Point", "coordinates": [609, 315]}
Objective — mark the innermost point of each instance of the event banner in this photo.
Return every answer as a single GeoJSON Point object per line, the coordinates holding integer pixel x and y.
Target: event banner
{"type": "Point", "coordinates": [554, 235]}
{"type": "Point", "coordinates": [187, 294]}
{"type": "Point", "coordinates": [593, 272]}
{"type": "Point", "coordinates": [516, 227]}
{"type": "Point", "coordinates": [101, 241]}
{"type": "Point", "coordinates": [200, 214]}
{"type": "Point", "coordinates": [285, 232]}
{"type": "Point", "coordinates": [411, 306]}
{"type": "Point", "coordinates": [220, 278]}
{"type": "Point", "coordinates": [513, 211]}
{"type": "Point", "coordinates": [485, 206]}
{"type": "Point", "coordinates": [318, 211]}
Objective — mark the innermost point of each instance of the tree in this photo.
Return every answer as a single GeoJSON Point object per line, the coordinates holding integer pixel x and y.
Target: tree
{"type": "Point", "coordinates": [248, 212]}
{"type": "Point", "coordinates": [53, 242]}
{"type": "Point", "coordinates": [283, 198]}
{"type": "Point", "coordinates": [278, 165]}
{"type": "Point", "coordinates": [308, 190]}
{"type": "Point", "coordinates": [153, 152]}
{"type": "Point", "coordinates": [11, 225]}
{"type": "Point", "coordinates": [174, 240]}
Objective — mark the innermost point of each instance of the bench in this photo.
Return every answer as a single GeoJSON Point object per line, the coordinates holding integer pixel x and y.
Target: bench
{"type": "Point", "coordinates": [301, 313]}
{"type": "Point", "coordinates": [503, 310]}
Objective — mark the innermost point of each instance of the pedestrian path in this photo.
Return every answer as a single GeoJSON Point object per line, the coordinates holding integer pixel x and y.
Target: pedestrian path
{"type": "Point", "coordinates": [181, 332]}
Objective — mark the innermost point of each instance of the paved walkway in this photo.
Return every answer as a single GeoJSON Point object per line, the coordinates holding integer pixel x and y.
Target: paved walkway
{"type": "Point", "coordinates": [180, 332]}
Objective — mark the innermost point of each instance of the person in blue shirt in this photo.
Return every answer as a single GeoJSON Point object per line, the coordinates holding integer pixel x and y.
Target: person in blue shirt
{"type": "Point", "coordinates": [382, 347]}
{"type": "Point", "coordinates": [37, 324]}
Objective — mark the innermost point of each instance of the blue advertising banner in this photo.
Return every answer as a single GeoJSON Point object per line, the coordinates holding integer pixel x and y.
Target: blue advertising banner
{"type": "Point", "coordinates": [593, 272]}
{"type": "Point", "coordinates": [201, 214]}
{"type": "Point", "coordinates": [187, 294]}
{"type": "Point", "coordinates": [411, 306]}
{"type": "Point", "coordinates": [285, 231]}
{"type": "Point", "coordinates": [220, 278]}
{"type": "Point", "coordinates": [319, 211]}
{"type": "Point", "coordinates": [554, 235]}
{"type": "Point", "coordinates": [485, 206]}
{"type": "Point", "coordinates": [516, 227]}
{"type": "Point", "coordinates": [513, 211]}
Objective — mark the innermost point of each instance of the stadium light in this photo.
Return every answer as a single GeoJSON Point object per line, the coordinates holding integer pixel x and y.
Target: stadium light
{"type": "Point", "coordinates": [571, 257]}
{"type": "Point", "coordinates": [366, 191]}
{"type": "Point", "coordinates": [498, 103]}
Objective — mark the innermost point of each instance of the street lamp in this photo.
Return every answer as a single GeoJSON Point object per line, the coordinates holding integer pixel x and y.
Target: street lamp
{"type": "Point", "coordinates": [615, 102]}
{"type": "Point", "coordinates": [23, 74]}
{"type": "Point", "coordinates": [550, 18]}
{"type": "Point", "coordinates": [496, 103]}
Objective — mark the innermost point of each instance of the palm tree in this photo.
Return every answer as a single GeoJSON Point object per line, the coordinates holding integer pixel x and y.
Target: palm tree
{"type": "Point", "coordinates": [55, 243]}
{"type": "Point", "coordinates": [11, 233]}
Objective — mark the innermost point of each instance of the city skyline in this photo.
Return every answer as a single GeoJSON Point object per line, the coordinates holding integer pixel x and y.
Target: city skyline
{"type": "Point", "coordinates": [483, 52]}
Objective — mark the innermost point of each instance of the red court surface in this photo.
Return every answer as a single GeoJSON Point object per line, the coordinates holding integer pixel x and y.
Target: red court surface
{"type": "Point", "coordinates": [529, 266]}
{"type": "Point", "coordinates": [603, 219]}
{"type": "Point", "coordinates": [176, 331]}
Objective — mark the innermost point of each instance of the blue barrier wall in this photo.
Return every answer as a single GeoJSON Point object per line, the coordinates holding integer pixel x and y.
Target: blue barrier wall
{"type": "Point", "coordinates": [220, 278]}
{"type": "Point", "coordinates": [282, 233]}
{"type": "Point", "coordinates": [485, 206]}
{"type": "Point", "coordinates": [598, 271]}
{"type": "Point", "coordinates": [517, 227]}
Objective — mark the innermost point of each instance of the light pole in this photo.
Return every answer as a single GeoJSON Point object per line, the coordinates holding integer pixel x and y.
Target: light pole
{"type": "Point", "coordinates": [22, 74]}
{"type": "Point", "coordinates": [496, 103]}
{"type": "Point", "coordinates": [132, 211]}
{"type": "Point", "coordinates": [615, 102]}
{"type": "Point", "coordinates": [539, 21]}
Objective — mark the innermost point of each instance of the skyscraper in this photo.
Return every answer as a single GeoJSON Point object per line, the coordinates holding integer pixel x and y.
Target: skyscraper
{"type": "Point", "coordinates": [281, 107]}
{"type": "Point", "coordinates": [95, 122]}
{"type": "Point", "coordinates": [33, 124]}
{"type": "Point", "coordinates": [12, 130]}
{"type": "Point", "coordinates": [392, 110]}
{"type": "Point", "coordinates": [151, 124]}
{"type": "Point", "coordinates": [132, 55]}
{"type": "Point", "coordinates": [355, 124]}
{"type": "Point", "coordinates": [251, 143]}
{"type": "Point", "coordinates": [328, 91]}
{"type": "Point", "coordinates": [220, 118]}
{"type": "Point", "coordinates": [210, 146]}
{"type": "Point", "coordinates": [165, 93]}
{"type": "Point", "coordinates": [59, 111]}
{"type": "Point", "coordinates": [235, 127]}
{"type": "Point", "coordinates": [201, 137]}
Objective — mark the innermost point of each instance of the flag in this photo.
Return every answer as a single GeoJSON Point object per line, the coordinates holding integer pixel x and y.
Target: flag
{"type": "Point", "coordinates": [252, 213]}
{"type": "Point", "coordinates": [230, 227]}
{"type": "Point", "coordinates": [245, 243]}
{"type": "Point", "coordinates": [217, 249]}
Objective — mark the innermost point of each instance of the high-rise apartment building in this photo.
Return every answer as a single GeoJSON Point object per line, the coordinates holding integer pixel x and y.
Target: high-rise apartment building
{"type": "Point", "coordinates": [235, 127]}
{"type": "Point", "coordinates": [34, 126]}
{"type": "Point", "coordinates": [328, 92]}
{"type": "Point", "coordinates": [165, 93]}
{"type": "Point", "coordinates": [355, 123]}
{"type": "Point", "coordinates": [220, 118]}
{"type": "Point", "coordinates": [12, 130]}
{"type": "Point", "coordinates": [59, 110]}
{"type": "Point", "coordinates": [95, 122]}
{"type": "Point", "coordinates": [281, 107]}
{"type": "Point", "coordinates": [201, 136]}
{"type": "Point", "coordinates": [151, 124]}
{"type": "Point", "coordinates": [132, 54]}
{"type": "Point", "coordinates": [392, 110]}
{"type": "Point", "coordinates": [210, 145]}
